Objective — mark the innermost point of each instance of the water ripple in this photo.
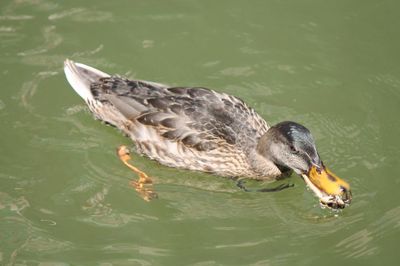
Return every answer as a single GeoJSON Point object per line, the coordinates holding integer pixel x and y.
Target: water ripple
{"type": "Point", "coordinates": [357, 244]}
{"type": "Point", "coordinates": [92, 16]}
{"type": "Point", "coordinates": [101, 213]}
{"type": "Point", "coordinates": [12, 204]}
{"type": "Point", "coordinates": [52, 39]}
{"type": "Point", "coordinates": [58, 144]}
{"type": "Point", "coordinates": [364, 242]}
{"type": "Point", "coordinates": [134, 248]}
{"type": "Point", "coordinates": [243, 244]}
{"type": "Point", "coordinates": [22, 235]}
{"type": "Point", "coordinates": [16, 17]}
{"type": "Point", "coordinates": [238, 71]}
{"type": "Point", "coordinates": [65, 13]}
{"type": "Point", "coordinates": [29, 88]}
{"type": "Point", "coordinates": [82, 15]}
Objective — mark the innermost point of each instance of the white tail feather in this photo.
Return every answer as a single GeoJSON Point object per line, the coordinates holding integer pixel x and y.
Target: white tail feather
{"type": "Point", "coordinates": [80, 77]}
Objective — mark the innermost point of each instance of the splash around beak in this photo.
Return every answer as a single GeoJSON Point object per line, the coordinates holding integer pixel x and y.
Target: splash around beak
{"type": "Point", "coordinates": [332, 191]}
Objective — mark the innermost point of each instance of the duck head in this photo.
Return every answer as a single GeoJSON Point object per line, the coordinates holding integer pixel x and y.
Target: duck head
{"type": "Point", "coordinates": [290, 145]}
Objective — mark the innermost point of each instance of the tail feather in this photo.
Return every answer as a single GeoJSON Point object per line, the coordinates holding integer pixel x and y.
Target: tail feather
{"type": "Point", "coordinates": [81, 76]}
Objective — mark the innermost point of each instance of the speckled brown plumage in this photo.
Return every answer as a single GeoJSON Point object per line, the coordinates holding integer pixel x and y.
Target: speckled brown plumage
{"type": "Point", "coordinates": [194, 128]}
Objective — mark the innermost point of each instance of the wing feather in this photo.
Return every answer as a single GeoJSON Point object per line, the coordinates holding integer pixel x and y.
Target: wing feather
{"type": "Point", "coordinates": [197, 117]}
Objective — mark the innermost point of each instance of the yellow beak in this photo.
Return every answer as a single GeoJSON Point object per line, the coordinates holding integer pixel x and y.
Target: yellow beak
{"type": "Point", "coordinates": [332, 191]}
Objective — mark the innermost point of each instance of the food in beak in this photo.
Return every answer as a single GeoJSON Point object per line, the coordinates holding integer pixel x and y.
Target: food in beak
{"type": "Point", "coordinates": [330, 189]}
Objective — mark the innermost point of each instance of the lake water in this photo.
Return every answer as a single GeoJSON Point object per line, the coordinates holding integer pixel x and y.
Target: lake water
{"type": "Point", "coordinates": [65, 197]}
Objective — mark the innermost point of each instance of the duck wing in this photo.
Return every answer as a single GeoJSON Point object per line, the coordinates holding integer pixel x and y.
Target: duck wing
{"type": "Point", "coordinates": [197, 117]}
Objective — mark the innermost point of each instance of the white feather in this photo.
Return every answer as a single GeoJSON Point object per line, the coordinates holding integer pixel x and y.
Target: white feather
{"type": "Point", "coordinates": [80, 77]}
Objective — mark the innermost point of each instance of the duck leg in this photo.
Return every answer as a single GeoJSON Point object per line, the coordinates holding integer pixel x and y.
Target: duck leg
{"type": "Point", "coordinates": [144, 185]}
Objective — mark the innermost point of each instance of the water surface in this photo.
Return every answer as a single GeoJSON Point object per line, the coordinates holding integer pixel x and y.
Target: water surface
{"type": "Point", "coordinates": [64, 195]}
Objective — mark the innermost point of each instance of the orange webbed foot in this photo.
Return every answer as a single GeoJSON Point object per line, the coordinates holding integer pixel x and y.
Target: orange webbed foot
{"type": "Point", "coordinates": [144, 184]}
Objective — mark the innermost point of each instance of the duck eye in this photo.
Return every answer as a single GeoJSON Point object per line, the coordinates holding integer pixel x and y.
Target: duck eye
{"type": "Point", "coordinates": [293, 149]}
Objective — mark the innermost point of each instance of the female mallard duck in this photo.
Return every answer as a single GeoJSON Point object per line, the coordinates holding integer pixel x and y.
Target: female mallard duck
{"type": "Point", "coordinates": [200, 129]}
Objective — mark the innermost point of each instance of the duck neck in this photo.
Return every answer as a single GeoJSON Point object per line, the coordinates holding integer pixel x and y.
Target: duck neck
{"type": "Point", "coordinates": [263, 146]}
{"type": "Point", "coordinates": [262, 163]}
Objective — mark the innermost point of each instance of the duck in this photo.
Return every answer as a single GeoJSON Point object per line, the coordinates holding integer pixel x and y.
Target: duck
{"type": "Point", "coordinates": [200, 129]}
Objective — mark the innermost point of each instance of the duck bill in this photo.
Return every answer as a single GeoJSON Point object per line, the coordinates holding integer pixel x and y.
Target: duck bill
{"type": "Point", "coordinates": [332, 191]}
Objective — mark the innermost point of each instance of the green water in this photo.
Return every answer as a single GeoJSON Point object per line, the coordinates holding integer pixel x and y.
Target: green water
{"type": "Point", "coordinates": [64, 195]}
